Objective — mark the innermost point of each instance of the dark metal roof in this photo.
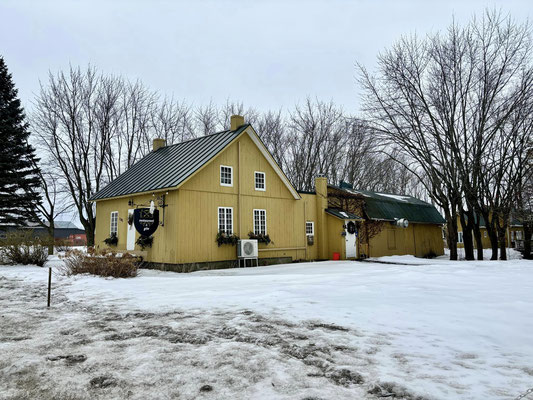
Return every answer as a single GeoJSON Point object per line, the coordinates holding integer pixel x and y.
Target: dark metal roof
{"type": "Point", "coordinates": [342, 214]}
{"type": "Point", "coordinates": [389, 207]}
{"type": "Point", "coordinates": [168, 166]}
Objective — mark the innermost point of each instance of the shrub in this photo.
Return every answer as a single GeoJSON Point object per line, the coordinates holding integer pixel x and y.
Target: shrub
{"type": "Point", "coordinates": [63, 246]}
{"type": "Point", "coordinates": [111, 240]}
{"type": "Point", "coordinates": [145, 241]}
{"type": "Point", "coordinates": [106, 263]}
{"type": "Point", "coordinates": [224, 238]}
{"type": "Point", "coordinates": [260, 238]}
{"type": "Point", "coordinates": [22, 247]}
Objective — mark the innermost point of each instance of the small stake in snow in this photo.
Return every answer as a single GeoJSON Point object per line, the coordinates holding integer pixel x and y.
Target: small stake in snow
{"type": "Point", "coordinates": [49, 284]}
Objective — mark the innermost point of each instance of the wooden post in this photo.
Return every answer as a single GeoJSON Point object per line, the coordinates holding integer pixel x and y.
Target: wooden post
{"type": "Point", "coordinates": [49, 284]}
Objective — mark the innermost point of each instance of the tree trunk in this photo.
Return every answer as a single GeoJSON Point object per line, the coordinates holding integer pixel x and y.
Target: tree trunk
{"type": "Point", "coordinates": [493, 236]}
{"type": "Point", "coordinates": [528, 230]}
{"type": "Point", "coordinates": [477, 232]}
{"type": "Point", "coordinates": [467, 225]}
{"type": "Point", "coordinates": [501, 241]}
{"type": "Point", "coordinates": [451, 236]}
{"type": "Point", "coordinates": [479, 241]}
{"type": "Point", "coordinates": [51, 238]}
{"type": "Point", "coordinates": [89, 232]}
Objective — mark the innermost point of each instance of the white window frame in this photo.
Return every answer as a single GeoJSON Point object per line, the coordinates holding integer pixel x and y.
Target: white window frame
{"type": "Point", "coordinates": [259, 210]}
{"type": "Point", "coordinates": [263, 189]}
{"type": "Point", "coordinates": [225, 220]}
{"type": "Point", "coordinates": [312, 224]}
{"type": "Point", "coordinates": [231, 176]}
{"type": "Point", "coordinates": [113, 214]}
{"type": "Point", "coordinates": [518, 235]}
{"type": "Point", "coordinates": [460, 237]}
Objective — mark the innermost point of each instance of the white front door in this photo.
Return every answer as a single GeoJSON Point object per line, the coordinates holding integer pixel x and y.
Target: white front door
{"type": "Point", "coordinates": [351, 242]}
{"type": "Point", "coordinates": [130, 244]}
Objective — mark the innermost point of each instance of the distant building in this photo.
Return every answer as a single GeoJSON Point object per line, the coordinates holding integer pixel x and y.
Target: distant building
{"type": "Point", "coordinates": [514, 235]}
{"type": "Point", "coordinates": [64, 231]}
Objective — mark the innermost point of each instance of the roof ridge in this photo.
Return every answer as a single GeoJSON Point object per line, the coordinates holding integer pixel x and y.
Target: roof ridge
{"type": "Point", "coordinates": [203, 137]}
{"type": "Point", "coordinates": [393, 194]}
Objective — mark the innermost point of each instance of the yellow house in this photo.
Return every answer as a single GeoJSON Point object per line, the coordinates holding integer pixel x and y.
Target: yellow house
{"type": "Point", "coordinates": [514, 235]}
{"type": "Point", "coordinates": [227, 184]}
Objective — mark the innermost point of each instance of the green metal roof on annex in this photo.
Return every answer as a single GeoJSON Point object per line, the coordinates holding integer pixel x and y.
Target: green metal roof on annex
{"type": "Point", "coordinates": [168, 166]}
{"type": "Point", "coordinates": [388, 207]}
{"type": "Point", "coordinates": [342, 214]}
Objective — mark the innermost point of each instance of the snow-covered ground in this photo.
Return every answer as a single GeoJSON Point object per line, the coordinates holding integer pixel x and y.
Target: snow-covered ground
{"type": "Point", "coordinates": [328, 330]}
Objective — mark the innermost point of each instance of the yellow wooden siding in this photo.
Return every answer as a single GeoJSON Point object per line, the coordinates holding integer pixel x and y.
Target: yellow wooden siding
{"type": "Point", "coordinates": [310, 214]}
{"type": "Point", "coordinates": [416, 239]}
{"type": "Point", "coordinates": [336, 242]}
{"type": "Point", "coordinates": [163, 248]}
{"type": "Point", "coordinates": [200, 197]}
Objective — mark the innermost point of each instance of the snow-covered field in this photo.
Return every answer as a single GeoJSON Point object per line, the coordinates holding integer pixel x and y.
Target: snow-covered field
{"type": "Point", "coordinates": [328, 330]}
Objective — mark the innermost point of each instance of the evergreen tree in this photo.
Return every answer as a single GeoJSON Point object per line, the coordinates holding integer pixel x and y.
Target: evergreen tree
{"type": "Point", "coordinates": [19, 181]}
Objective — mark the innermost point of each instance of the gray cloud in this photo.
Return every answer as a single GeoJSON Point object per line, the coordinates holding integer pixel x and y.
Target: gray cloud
{"type": "Point", "coordinates": [266, 54]}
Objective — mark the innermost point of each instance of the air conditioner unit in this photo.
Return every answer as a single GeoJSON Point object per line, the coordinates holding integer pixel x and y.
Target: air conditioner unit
{"type": "Point", "coordinates": [247, 248]}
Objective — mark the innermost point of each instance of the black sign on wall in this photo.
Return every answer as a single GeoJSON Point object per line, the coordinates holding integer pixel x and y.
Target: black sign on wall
{"type": "Point", "coordinates": [145, 222]}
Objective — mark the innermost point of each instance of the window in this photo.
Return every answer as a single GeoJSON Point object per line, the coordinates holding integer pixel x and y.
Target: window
{"type": "Point", "coordinates": [309, 228]}
{"type": "Point", "coordinates": [114, 223]}
{"type": "Point", "coordinates": [518, 235]}
{"type": "Point", "coordinates": [260, 183]}
{"type": "Point", "coordinates": [226, 175]}
{"type": "Point", "coordinates": [459, 237]}
{"type": "Point", "coordinates": [260, 222]}
{"type": "Point", "coordinates": [512, 235]}
{"type": "Point", "coordinates": [225, 220]}
{"type": "Point", "coordinates": [485, 234]}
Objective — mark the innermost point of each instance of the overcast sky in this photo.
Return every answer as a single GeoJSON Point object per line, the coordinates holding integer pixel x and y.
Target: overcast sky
{"type": "Point", "coordinates": [267, 54]}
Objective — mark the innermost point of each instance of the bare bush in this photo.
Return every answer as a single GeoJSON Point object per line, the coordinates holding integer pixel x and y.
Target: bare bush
{"type": "Point", "coordinates": [21, 247]}
{"type": "Point", "coordinates": [106, 263]}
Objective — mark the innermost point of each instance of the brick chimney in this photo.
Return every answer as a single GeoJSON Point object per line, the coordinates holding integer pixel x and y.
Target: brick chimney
{"type": "Point", "coordinates": [236, 122]}
{"type": "Point", "coordinates": [158, 143]}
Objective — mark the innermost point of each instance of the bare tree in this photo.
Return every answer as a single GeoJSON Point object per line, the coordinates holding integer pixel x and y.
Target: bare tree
{"type": "Point", "coordinates": [442, 103]}
{"type": "Point", "coordinates": [74, 116]}
{"type": "Point", "coordinates": [206, 120]}
{"type": "Point", "coordinates": [271, 127]}
{"type": "Point", "coordinates": [54, 204]}
{"type": "Point", "coordinates": [315, 142]}
{"type": "Point", "coordinates": [173, 121]}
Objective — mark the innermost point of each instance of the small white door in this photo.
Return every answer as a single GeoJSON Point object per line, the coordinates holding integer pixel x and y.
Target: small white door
{"type": "Point", "coordinates": [351, 241]}
{"type": "Point", "coordinates": [130, 244]}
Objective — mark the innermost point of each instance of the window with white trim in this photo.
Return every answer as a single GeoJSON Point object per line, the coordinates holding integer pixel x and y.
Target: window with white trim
{"type": "Point", "coordinates": [459, 237]}
{"type": "Point", "coordinates": [485, 234]}
{"type": "Point", "coordinates": [260, 222]}
{"type": "Point", "coordinates": [225, 220]}
{"type": "Point", "coordinates": [518, 235]}
{"type": "Point", "coordinates": [260, 182]}
{"type": "Point", "coordinates": [226, 175]}
{"type": "Point", "coordinates": [113, 229]}
{"type": "Point", "coordinates": [309, 228]}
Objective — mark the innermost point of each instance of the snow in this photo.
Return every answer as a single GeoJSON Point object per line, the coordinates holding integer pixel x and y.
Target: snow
{"type": "Point", "coordinates": [395, 196]}
{"type": "Point", "coordinates": [439, 328]}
